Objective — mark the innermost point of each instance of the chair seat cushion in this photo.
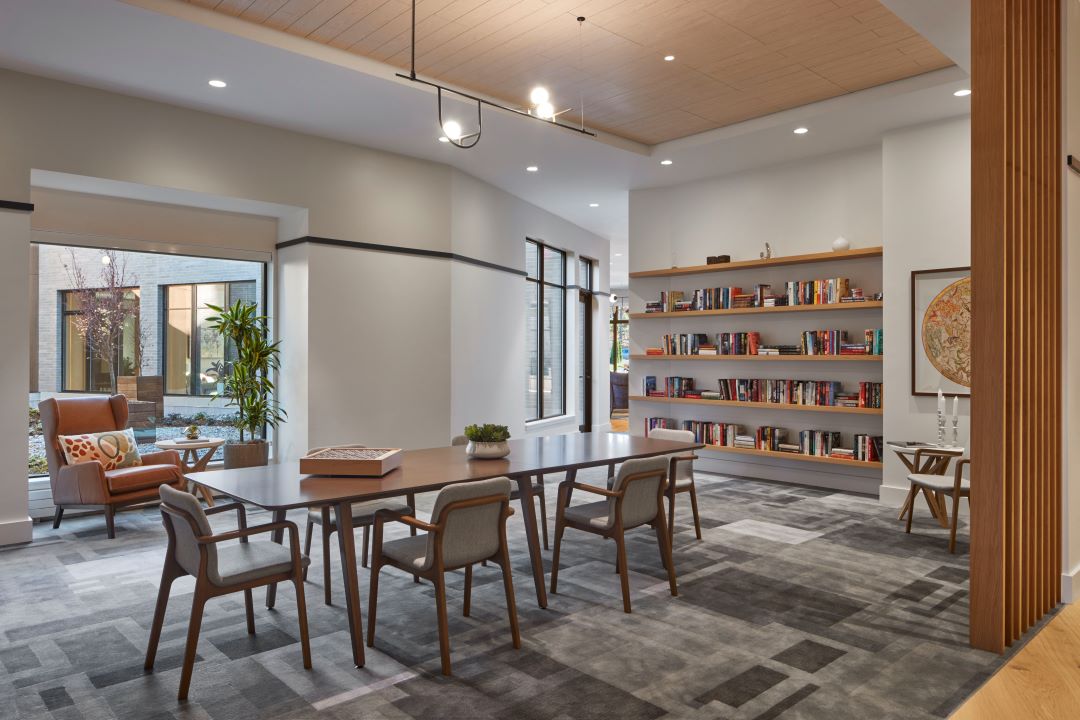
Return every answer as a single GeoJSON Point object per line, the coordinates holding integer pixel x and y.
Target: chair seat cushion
{"type": "Point", "coordinates": [938, 483]}
{"type": "Point", "coordinates": [594, 514]}
{"type": "Point", "coordinates": [140, 477]}
{"type": "Point", "coordinates": [409, 551]}
{"type": "Point", "coordinates": [363, 513]}
{"type": "Point", "coordinates": [243, 562]}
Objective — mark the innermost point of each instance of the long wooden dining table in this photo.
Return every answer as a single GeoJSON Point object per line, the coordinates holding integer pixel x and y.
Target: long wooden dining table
{"type": "Point", "coordinates": [281, 487]}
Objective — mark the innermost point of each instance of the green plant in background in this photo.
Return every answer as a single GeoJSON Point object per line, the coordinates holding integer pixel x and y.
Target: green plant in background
{"type": "Point", "coordinates": [487, 433]}
{"type": "Point", "coordinates": [38, 465]}
{"type": "Point", "coordinates": [248, 385]}
{"type": "Point", "coordinates": [34, 422]}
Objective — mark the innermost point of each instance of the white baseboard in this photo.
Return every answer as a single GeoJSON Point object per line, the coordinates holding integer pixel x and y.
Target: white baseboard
{"type": "Point", "coordinates": [1070, 585]}
{"type": "Point", "coordinates": [890, 496]}
{"type": "Point", "coordinates": [14, 532]}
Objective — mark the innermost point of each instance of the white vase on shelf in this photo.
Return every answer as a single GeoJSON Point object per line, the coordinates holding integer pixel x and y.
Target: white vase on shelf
{"type": "Point", "coordinates": [840, 244]}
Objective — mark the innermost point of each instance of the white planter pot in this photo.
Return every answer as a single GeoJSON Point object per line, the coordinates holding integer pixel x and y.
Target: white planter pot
{"type": "Point", "coordinates": [487, 450]}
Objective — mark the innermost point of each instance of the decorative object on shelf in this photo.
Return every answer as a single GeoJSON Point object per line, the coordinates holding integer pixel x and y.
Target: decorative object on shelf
{"type": "Point", "coordinates": [487, 442]}
{"type": "Point", "coordinates": [941, 331]}
{"type": "Point", "coordinates": [541, 109]}
{"type": "Point", "coordinates": [767, 255]}
{"type": "Point", "coordinates": [955, 421]}
{"type": "Point", "coordinates": [840, 244]}
{"type": "Point", "coordinates": [940, 419]}
{"type": "Point", "coordinates": [350, 460]}
{"type": "Point", "coordinates": [191, 432]}
{"type": "Point", "coordinates": [717, 259]}
{"type": "Point", "coordinates": [248, 385]}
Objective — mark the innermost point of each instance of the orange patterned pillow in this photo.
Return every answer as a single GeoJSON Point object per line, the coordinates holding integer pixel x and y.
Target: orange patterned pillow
{"type": "Point", "coordinates": [113, 449]}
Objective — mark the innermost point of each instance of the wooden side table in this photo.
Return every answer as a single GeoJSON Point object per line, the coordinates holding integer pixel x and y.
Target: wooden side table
{"type": "Point", "coordinates": [191, 461]}
{"type": "Point", "coordinates": [925, 459]}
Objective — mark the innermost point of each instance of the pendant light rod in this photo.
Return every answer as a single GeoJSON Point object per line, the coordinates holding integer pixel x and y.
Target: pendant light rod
{"type": "Point", "coordinates": [412, 77]}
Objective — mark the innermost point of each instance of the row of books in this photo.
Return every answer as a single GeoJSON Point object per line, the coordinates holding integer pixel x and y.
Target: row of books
{"type": "Point", "coordinates": [811, 342]}
{"type": "Point", "coordinates": [829, 291]}
{"type": "Point", "coordinates": [828, 393]}
{"type": "Point", "coordinates": [817, 443]}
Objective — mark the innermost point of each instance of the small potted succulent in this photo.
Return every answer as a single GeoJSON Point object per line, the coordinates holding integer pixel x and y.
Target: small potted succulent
{"type": "Point", "coordinates": [487, 442]}
{"type": "Point", "coordinates": [191, 432]}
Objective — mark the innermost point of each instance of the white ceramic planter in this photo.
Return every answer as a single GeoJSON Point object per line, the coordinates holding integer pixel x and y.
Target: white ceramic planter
{"type": "Point", "coordinates": [487, 450]}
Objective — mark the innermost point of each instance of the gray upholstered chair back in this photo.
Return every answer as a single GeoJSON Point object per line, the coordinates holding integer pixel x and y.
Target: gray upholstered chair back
{"type": "Point", "coordinates": [459, 440]}
{"type": "Point", "coordinates": [471, 534]}
{"type": "Point", "coordinates": [683, 469]}
{"type": "Point", "coordinates": [187, 549]}
{"type": "Point", "coordinates": [640, 502]}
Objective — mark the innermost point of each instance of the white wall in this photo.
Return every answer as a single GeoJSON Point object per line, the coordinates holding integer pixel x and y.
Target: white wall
{"type": "Point", "coordinates": [15, 294]}
{"type": "Point", "coordinates": [797, 208]}
{"type": "Point", "coordinates": [927, 225]}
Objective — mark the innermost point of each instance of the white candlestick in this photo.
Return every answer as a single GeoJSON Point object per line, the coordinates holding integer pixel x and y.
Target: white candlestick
{"type": "Point", "coordinates": [941, 401]}
{"type": "Point", "coordinates": [955, 407]}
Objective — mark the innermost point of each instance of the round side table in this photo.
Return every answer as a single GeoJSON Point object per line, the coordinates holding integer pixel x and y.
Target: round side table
{"type": "Point", "coordinates": [191, 461]}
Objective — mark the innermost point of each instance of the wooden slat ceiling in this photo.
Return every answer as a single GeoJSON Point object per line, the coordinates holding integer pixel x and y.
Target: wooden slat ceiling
{"type": "Point", "coordinates": [735, 59]}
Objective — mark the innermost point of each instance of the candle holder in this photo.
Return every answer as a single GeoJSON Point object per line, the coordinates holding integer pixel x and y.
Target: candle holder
{"type": "Point", "coordinates": [955, 431]}
{"type": "Point", "coordinates": [940, 429]}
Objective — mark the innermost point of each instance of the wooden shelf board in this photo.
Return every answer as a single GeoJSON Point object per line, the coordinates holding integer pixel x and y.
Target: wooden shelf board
{"type": "Point", "coordinates": [855, 254]}
{"type": "Point", "coordinates": [766, 405]}
{"type": "Point", "coordinates": [796, 456]}
{"type": "Point", "coordinates": [867, 305]}
{"type": "Point", "coordinates": [764, 358]}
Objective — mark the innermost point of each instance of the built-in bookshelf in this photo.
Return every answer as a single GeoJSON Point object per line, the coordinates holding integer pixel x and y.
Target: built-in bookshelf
{"type": "Point", "coordinates": [778, 317]}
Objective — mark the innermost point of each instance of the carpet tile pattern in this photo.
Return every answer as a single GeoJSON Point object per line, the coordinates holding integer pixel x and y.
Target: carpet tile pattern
{"type": "Point", "coordinates": [798, 603]}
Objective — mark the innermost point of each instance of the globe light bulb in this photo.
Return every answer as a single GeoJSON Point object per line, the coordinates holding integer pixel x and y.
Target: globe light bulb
{"type": "Point", "coordinates": [105, 260]}
{"type": "Point", "coordinates": [539, 95]}
{"type": "Point", "coordinates": [452, 129]}
{"type": "Point", "coordinates": [545, 110]}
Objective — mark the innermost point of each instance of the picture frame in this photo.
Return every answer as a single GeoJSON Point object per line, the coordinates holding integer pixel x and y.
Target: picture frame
{"type": "Point", "coordinates": [944, 289]}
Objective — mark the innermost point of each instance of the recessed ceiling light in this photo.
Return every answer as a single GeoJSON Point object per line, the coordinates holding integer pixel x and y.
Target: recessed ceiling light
{"type": "Point", "coordinates": [800, 131]}
{"type": "Point", "coordinates": [532, 168]}
{"type": "Point", "coordinates": [594, 204]}
{"type": "Point", "coordinates": [217, 83]}
{"type": "Point", "coordinates": [669, 58]}
{"type": "Point", "coordinates": [665, 162]}
{"type": "Point", "coordinates": [443, 138]}
{"type": "Point", "coordinates": [962, 93]}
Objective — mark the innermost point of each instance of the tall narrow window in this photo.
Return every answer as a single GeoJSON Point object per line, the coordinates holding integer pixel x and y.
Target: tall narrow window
{"type": "Point", "coordinates": [545, 327]}
{"type": "Point", "coordinates": [83, 367]}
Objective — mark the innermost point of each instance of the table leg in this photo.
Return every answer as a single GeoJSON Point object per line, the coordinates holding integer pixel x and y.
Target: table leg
{"type": "Point", "coordinates": [277, 536]}
{"type": "Point", "coordinates": [347, 545]}
{"type": "Point", "coordinates": [528, 511]}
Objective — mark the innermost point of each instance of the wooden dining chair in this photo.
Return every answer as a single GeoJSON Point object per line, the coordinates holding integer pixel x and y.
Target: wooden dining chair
{"type": "Point", "coordinates": [680, 477]}
{"type": "Point", "coordinates": [218, 569]}
{"type": "Point", "coordinates": [636, 498]}
{"type": "Point", "coordinates": [954, 487]}
{"type": "Point", "coordinates": [468, 526]}
{"type": "Point", "coordinates": [538, 492]}
{"type": "Point", "coordinates": [929, 461]}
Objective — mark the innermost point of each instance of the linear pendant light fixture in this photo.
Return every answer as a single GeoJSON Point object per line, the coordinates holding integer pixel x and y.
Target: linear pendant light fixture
{"type": "Point", "coordinates": [451, 129]}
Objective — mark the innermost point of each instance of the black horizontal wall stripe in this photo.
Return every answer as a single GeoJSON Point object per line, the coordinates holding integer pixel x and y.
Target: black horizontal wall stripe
{"type": "Point", "coordinates": [13, 205]}
{"type": "Point", "coordinates": [441, 254]}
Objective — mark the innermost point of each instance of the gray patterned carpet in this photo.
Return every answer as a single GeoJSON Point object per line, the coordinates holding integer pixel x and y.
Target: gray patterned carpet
{"type": "Point", "coordinates": [798, 603]}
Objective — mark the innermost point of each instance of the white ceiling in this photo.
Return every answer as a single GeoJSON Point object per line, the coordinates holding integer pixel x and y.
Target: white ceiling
{"type": "Point", "coordinates": [168, 51]}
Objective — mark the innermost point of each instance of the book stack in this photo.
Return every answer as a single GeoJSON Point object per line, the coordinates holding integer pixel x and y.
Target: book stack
{"type": "Point", "coordinates": [842, 453]}
{"type": "Point", "coordinates": [816, 292]}
{"type": "Point", "coordinates": [788, 448]}
{"type": "Point", "coordinates": [780, 350]}
{"type": "Point", "coordinates": [654, 351]}
{"type": "Point", "coordinates": [745, 441]}
{"type": "Point", "coordinates": [649, 389]}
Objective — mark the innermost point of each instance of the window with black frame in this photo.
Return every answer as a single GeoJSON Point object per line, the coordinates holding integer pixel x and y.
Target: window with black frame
{"type": "Point", "coordinates": [83, 367]}
{"type": "Point", "coordinates": [545, 326]}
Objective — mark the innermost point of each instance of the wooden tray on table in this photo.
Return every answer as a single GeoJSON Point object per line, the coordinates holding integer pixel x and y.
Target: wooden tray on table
{"type": "Point", "coordinates": [350, 460]}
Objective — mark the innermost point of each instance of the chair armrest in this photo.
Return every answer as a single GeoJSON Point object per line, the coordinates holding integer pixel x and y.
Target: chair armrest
{"type": "Point", "coordinates": [83, 484]}
{"type": "Point", "coordinates": [161, 457]}
{"type": "Point", "coordinates": [254, 530]}
{"type": "Point", "coordinates": [959, 476]}
{"type": "Point", "coordinates": [593, 489]}
{"type": "Point", "coordinates": [241, 514]}
{"type": "Point", "coordinates": [383, 515]}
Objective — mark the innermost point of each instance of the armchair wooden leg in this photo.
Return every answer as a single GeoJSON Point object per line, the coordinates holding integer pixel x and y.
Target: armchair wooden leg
{"type": "Point", "coordinates": [955, 514]}
{"type": "Point", "coordinates": [307, 545]}
{"type": "Point", "coordinates": [444, 623]}
{"type": "Point", "coordinates": [249, 608]}
{"type": "Point", "coordinates": [665, 552]}
{"type": "Point", "coordinates": [508, 586]}
{"type": "Point", "coordinates": [169, 572]}
{"type": "Point", "coordinates": [110, 521]}
{"type": "Point", "coordinates": [624, 574]}
{"type": "Point", "coordinates": [365, 546]}
{"type": "Point", "coordinates": [693, 507]}
{"type": "Point", "coordinates": [301, 612]}
{"type": "Point", "coordinates": [326, 531]}
{"type": "Point", "coordinates": [57, 517]}
{"type": "Point", "coordinates": [194, 625]}
{"type": "Point", "coordinates": [468, 591]}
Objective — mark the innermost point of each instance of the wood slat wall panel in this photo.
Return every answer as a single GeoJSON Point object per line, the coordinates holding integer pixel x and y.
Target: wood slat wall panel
{"type": "Point", "coordinates": [1016, 335]}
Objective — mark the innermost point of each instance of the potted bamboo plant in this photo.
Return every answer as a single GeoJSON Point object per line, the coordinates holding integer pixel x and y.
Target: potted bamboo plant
{"type": "Point", "coordinates": [248, 383]}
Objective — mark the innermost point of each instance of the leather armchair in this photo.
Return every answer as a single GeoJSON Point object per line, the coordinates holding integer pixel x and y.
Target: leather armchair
{"type": "Point", "coordinates": [89, 484]}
